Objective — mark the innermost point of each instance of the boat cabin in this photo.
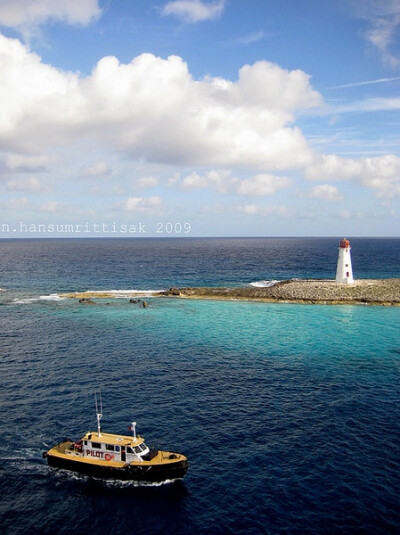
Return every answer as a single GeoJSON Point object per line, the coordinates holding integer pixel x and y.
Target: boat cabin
{"type": "Point", "coordinates": [110, 447]}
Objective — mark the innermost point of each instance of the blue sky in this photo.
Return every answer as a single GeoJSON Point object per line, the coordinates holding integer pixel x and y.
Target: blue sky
{"type": "Point", "coordinates": [199, 118]}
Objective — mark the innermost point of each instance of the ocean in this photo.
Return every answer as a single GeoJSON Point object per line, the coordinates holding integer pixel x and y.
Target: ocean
{"type": "Point", "coordinates": [288, 414]}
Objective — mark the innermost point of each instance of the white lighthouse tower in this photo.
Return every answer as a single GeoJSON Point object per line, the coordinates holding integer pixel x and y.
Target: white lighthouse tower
{"type": "Point", "coordinates": [344, 272]}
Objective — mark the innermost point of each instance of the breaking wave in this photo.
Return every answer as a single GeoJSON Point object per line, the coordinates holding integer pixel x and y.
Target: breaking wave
{"type": "Point", "coordinates": [112, 294]}
{"type": "Point", "coordinates": [264, 284]}
{"type": "Point", "coordinates": [109, 294]}
{"type": "Point", "coordinates": [29, 300]}
{"type": "Point", "coordinates": [51, 297]}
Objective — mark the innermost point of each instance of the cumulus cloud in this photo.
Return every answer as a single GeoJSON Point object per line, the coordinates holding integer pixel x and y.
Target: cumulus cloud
{"type": "Point", "coordinates": [219, 179]}
{"type": "Point", "coordinates": [350, 215]}
{"type": "Point", "coordinates": [100, 168]}
{"type": "Point", "coordinates": [25, 13]}
{"type": "Point", "coordinates": [261, 185]}
{"type": "Point", "coordinates": [133, 109]}
{"type": "Point", "coordinates": [145, 182]}
{"type": "Point", "coordinates": [140, 204]}
{"type": "Point", "coordinates": [23, 163]}
{"type": "Point", "coordinates": [381, 173]}
{"type": "Point", "coordinates": [325, 192]}
{"type": "Point", "coordinates": [194, 181]}
{"type": "Point", "coordinates": [18, 204]}
{"type": "Point", "coordinates": [53, 206]}
{"type": "Point", "coordinates": [194, 10]}
{"type": "Point", "coordinates": [254, 209]}
{"type": "Point", "coordinates": [223, 182]}
{"type": "Point", "coordinates": [27, 184]}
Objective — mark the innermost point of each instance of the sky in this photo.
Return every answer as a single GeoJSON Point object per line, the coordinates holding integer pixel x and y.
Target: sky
{"type": "Point", "coordinates": [190, 118]}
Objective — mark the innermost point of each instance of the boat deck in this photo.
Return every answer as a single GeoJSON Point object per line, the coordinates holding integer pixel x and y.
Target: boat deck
{"type": "Point", "coordinates": [66, 450]}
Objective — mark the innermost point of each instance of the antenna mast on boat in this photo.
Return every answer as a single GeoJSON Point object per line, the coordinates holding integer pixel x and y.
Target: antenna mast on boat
{"type": "Point", "coordinates": [99, 411]}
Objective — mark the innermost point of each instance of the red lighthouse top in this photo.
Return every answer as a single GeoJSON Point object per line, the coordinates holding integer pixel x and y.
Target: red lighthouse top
{"type": "Point", "coordinates": [344, 244]}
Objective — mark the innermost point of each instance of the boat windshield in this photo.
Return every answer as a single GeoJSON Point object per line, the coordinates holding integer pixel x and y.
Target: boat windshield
{"type": "Point", "coordinates": [140, 448]}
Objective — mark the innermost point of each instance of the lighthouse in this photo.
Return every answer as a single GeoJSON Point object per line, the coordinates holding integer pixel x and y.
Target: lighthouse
{"type": "Point", "coordinates": [344, 272]}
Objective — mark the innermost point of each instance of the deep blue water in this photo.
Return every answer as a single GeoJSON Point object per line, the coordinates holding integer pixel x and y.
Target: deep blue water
{"type": "Point", "coordinates": [289, 414]}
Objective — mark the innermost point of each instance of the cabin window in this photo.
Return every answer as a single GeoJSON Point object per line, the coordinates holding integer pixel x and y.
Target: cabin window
{"type": "Point", "coordinates": [137, 449]}
{"type": "Point", "coordinates": [85, 442]}
{"type": "Point", "coordinates": [96, 445]}
{"type": "Point", "coordinates": [143, 446]}
{"type": "Point", "coordinates": [109, 447]}
{"type": "Point", "coordinates": [116, 448]}
{"type": "Point", "coordinates": [129, 450]}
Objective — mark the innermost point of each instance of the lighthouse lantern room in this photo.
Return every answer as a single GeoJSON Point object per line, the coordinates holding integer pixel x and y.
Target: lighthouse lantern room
{"type": "Point", "coordinates": [344, 272]}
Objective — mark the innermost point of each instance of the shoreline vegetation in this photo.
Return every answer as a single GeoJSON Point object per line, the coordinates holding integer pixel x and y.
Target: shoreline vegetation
{"type": "Point", "coordinates": [384, 292]}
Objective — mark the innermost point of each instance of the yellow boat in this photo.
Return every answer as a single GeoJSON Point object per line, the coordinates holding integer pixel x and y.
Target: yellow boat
{"type": "Point", "coordinates": [111, 456]}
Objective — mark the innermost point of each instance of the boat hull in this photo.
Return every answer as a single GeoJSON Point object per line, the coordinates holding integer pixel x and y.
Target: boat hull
{"type": "Point", "coordinates": [151, 473]}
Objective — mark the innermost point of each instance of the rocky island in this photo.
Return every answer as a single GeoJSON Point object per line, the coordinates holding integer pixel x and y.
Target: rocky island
{"type": "Point", "coordinates": [365, 291]}
{"type": "Point", "coordinates": [385, 292]}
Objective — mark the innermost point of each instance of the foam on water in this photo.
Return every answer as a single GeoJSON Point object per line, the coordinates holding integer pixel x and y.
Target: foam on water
{"type": "Point", "coordinates": [51, 297]}
{"type": "Point", "coordinates": [116, 294]}
{"type": "Point", "coordinates": [25, 300]}
{"type": "Point", "coordinates": [35, 299]}
{"type": "Point", "coordinates": [264, 284]}
{"type": "Point", "coordinates": [62, 473]}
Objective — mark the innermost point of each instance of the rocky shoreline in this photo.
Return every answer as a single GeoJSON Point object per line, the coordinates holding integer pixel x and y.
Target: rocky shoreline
{"type": "Point", "coordinates": [385, 292]}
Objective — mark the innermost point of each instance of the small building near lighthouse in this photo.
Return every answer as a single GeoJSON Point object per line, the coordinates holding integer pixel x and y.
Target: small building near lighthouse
{"type": "Point", "coordinates": [344, 271]}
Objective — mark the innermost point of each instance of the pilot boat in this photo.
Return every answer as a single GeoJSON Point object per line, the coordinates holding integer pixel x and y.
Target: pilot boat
{"type": "Point", "coordinates": [110, 456]}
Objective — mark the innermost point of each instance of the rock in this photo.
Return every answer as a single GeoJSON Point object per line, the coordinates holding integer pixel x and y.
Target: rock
{"type": "Point", "coordinates": [86, 301]}
{"type": "Point", "coordinates": [363, 291]}
{"type": "Point", "coordinates": [133, 301]}
{"type": "Point", "coordinates": [174, 291]}
{"type": "Point", "coordinates": [145, 304]}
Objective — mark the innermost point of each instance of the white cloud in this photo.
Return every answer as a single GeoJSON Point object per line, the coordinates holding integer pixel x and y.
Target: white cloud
{"type": "Point", "coordinates": [382, 35]}
{"type": "Point", "coordinates": [194, 10]}
{"type": "Point", "coordinates": [261, 185]}
{"type": "Point", "coordinates": [252, 38]}
{"type": "Point", "coordinates": [381, 174]}
{"type": "Point", "coordinates": [23, 13]}
{"type": "Point", "coordinates": [220, 179]}
{"type": "Point", "coordinates": [140, 204]}
{"type": "Point", "coordinates": [100, 168]}
{"type": "Point", "coordinates": [383, 18]}
{"type": "Point", "coordinates": [194, 181]}
{"type": "Point", "coordinates": [133, 109]}
{"type": "Point", "coordinates": [22, 162]}
{"type": "Point", "coordinates": [145, 182]}
{"type": "Point", "coordinates": [325, 192]}
{"type": "Point", "coordinates": [366, 82]}
{"type": "Point", "coordinates": [272, 210]}
{"type": "Point", "coordinates": [223, 182]}
{"type": "Point", "coordinates": [18, 204]}
{"type": "Point", "coordinates": [26, 184]}
{"type": "Point", "coordinates": [350, 215]}
{"type": "Point", "coordinates": [332, 167]}
{"type": "Point", "coordinates": [53, 206]}
{"type": "Point", "coordinates": [368, 104]}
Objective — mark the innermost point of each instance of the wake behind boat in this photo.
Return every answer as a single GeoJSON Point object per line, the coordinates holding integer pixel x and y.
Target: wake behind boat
{"type": "Point", "coordinates": [110, 456]}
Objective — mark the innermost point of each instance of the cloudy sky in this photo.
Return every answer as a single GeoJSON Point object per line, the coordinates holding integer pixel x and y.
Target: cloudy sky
{"type": "Point", "coordinates": [200, 117]}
